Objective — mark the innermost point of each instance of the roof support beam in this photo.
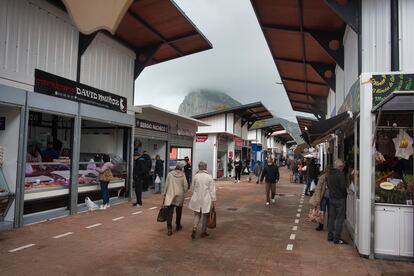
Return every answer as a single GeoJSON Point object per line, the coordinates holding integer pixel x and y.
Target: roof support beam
{"type": "Point", "coordinates": [85, 41]}
{"type": "Point", "coordinates": [315, 97]}
{"type": "Point", "coordinates": [143, 56]}
{"type": "Point", "coordinates": [348, 12]}
{"type": "Point", "coordinates": [154, 31]}
{"type": "Point", "coordinates": [303, 81]}
{"type": "Point", "coordinates": [327, 73]}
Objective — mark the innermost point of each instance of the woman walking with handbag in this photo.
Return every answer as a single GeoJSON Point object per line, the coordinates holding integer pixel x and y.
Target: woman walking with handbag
{"type": "Point", "coordinates": [105, 176]}
{"type": "Point", "coordinates": [175, 189]}
{"type": "Point", "coordinates": [203, 199]}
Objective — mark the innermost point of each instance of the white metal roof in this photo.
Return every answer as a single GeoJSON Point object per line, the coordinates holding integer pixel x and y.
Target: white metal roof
{"type": "Point", "coordinates": [142, 108]}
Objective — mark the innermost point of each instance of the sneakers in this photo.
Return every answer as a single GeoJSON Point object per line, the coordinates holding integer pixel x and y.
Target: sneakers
{"type": "Point", "coordinates": [273, 200]}
{"type": "Point", "coordinates": [235, 181]}
{"type": "Point", "coordinates": [267, 203]}
{"type": "Point", "coordinates": [138, 205]}
{"type": "Point", "coordinates": [340, 242]}
{"type": "Point", "coordinates": [238, 181]}
{"type": "Point", "coordinates": [107, 206]}
{"type": "Point", "coordinates": [102, 207]}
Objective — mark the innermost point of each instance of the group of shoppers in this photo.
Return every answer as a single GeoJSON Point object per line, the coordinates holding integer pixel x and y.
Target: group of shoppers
{"type": "Point", "coordinates": [202, 200]}
{"type": "Point", "coordinates": [330, 197]}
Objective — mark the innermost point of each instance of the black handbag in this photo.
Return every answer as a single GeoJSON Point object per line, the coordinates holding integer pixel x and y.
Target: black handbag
{"type": "Point", "coordinates": [162, 214]}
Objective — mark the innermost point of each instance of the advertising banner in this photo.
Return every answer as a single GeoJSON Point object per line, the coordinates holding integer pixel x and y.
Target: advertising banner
{"type": "Point", "coordinates": [384, 85]}
{"type": "Point", "coordinates": [52, 85]}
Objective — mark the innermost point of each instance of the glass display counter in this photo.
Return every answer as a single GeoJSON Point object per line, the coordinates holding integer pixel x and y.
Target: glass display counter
{"type": "Point", "coordinates": [6, 196]}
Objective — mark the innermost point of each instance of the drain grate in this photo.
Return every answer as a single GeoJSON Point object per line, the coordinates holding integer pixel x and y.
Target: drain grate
{"type": "Point", "coordinates": [232, 209]}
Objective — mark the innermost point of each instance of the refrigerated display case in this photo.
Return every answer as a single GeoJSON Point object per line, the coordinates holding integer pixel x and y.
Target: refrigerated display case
{"type": "Point", "coordinates": [6, 196]}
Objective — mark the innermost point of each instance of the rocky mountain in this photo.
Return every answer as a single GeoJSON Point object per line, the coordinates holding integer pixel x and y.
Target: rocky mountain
{"type": "Point", "coordinates": [204, 101]}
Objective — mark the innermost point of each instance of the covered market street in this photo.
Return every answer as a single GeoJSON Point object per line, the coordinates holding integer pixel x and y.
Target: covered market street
{"type": "Point", "coordinates": [250, 239]}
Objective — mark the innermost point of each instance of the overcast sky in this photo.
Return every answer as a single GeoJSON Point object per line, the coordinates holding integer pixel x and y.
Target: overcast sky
{"type": "Point", "coordinates": [240, 63]}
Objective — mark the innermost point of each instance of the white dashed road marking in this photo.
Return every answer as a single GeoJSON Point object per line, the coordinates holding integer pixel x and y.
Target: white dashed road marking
{"type": "Point", "coordinates": [299, 210]}
{"type": "Point", "coordinates": [296, 221]}
{"type": "Point", "coordinates": [93, 225]}
{"type": "Point", "coordinates": [21, 247]}
{"type": "Point", "coordinates": [63, 235]}
{"type": "Point", "coordinates": [298, 215]}
{"type": "Point", "coordinates": [300, 206]}
{"type": "Point", "coordinates": [292, 236]}
{"type": "Point", "coordinates": [118, 218]}
{"type": "Point", "coordinates": [289, 247]}
{"type": "Point", "coordinates": [153, 208]}
{"type": "Point", "coordinates": [294, 228]}
{"type": "Point", "coordinates": [136, 213]}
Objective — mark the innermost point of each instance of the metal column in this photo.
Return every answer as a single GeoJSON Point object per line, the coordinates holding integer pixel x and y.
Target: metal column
{"type": "Point", "coordinates": [77, 128]}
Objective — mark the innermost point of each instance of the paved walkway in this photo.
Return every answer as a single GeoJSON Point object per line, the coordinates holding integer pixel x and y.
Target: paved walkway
{"type": "Point", "coordinates": [251, 239]}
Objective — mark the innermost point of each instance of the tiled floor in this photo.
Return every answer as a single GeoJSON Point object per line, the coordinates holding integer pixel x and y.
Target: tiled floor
{"type": "Point", "coordinates": [250, 239]}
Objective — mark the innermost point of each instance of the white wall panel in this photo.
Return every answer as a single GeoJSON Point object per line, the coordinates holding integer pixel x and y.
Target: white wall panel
{"type": "Point", "coordinates": [340, 87]}
{"type": "Point", "coordinates": [34, 34]}
{"type": "Point", "coordinates": [109, 66]}
{"type": "Point", "coordinates": [216, 124]}
{"type": "Point", "coordinates": [350, 59]}
{"type": "Point", "coordinates": [406, 18]}
{"type": "Point", "coordinates": [376, 36]}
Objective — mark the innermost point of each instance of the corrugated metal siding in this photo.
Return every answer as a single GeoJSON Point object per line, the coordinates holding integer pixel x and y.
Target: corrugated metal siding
{"type": "Point", "coordinates": [216, 124]}
{"type": "Point", "coordinates": [150, 134]}
{"type": "Point", "coordinates": [406, 18]}
{"type": "Point", "coordinates": [376, 36]}
{"type": "Point", "coordinates": [181, 141]}
{"type": "Point", "coordinates": [350, 58]}
{"type": "Point", "coordinates": [34, 34]}
{"type": "Point", "coordinates": [109, 66]}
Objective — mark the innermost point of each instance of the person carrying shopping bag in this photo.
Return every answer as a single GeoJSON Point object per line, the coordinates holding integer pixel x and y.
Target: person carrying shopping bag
{"type": "Point", "coordinates": [105, 176]}
{"type": "Point", "coordinates": [175, 189]}
{"type": "Point", "coordinates": [203, 199]}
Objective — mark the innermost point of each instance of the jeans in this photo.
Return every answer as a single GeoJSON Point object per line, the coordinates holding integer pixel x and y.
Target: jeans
{"type": "Point", "coordinates": [203, 217]}
{"type": "Point", "coordinates": [170, 213]}
{"type": "Point", "coordinates": [105, 192]}
{"type": "Point", "coordinates": [138, 189]}
{"type": "Point", "coordinates": [336, 217]}
{"type": "Point", "coordinates": [308, 185]}
{"type": "Point", "coordinates": [238, 174]}
{"type": "Point", "coordinates": [270, 188]}
{"type": "Point", "coordinates": [159, 186]}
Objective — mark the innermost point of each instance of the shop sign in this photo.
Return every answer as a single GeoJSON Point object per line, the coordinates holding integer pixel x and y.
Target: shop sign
{"type": "Point", "coordinates": [52, 85]}
{"type": "Point", "coordinates": [151, 125]}
{"type": "Point", "coordinates": [201, 138]}
{"type": "Point", "coordinates": [186, 132]}
{"type": "Point", "coordinates": [384, 85]}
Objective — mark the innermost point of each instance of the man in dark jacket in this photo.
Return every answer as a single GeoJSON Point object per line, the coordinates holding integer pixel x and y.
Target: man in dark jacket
{"type": "Point", "coordinates": [188, 170]}
{"type": "Point", "coordinates": [158, 172]}
{"type": "Point", "coordinates": [337, 198]}
{"type": "Point", "coordinates": [147, 167]}
{"type": "Point", "coordinates": [139, 175]}
{"type": "Point", "coordinates": [271, 173]}
{"type": "Point", "coordinates": [311, 174]}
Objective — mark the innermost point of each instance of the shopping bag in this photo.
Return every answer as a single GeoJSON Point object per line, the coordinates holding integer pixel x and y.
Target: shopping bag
{"type": "Point", "coordinates": [312, 186]}
{"type": "Point", "coordinates": [211, 222]}
{"type": "Point", "coordinates": [162, 214]}
{"type": "Point", "coordinates": [90, 204]}
{"type": "Point", "coordinates": [315, 215]}
{"type": "Point", "coordinates": [157, 180]}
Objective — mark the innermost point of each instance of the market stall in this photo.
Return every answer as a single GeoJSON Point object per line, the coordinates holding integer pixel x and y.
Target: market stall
{"type": "Point", "coordinates": [6, 196]}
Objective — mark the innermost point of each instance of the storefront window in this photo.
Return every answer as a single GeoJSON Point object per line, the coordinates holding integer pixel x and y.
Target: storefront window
{"type": "Point", "coordinates": [48, 166]}
{"type": "Point", "coordinates": [178, 154]}
{"type": "Point", "coordinates": [394, 181]}
{"type": "Point", "coordinates": [356, 155]}
{"type": "Point", "coordinates": [97, 140]}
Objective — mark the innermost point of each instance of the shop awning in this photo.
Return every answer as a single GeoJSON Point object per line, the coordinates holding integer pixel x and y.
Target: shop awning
{"type": "Point", "coordinates": [157, 111]}
{"type": "Point", "coordinates": [324, 128]}
{"type": "Point", "coordinates": [156, 30]}
{"type": "Point", "coordinates": [397, 101]}
{"type": "Point", "coordinates": [305, 40]}
{"type": "Point", "coordinates": [250, 113]}
{"type": "Point", "coordinates": [305, 122]}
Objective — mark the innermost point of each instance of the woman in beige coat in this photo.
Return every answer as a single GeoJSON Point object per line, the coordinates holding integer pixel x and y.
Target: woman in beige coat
{"type": "Point", "coordinates": [203, 198]}
{"type": "Point", "coordinates": [320, 198]}
{"type": "Point", "coordinates": [175, 189]}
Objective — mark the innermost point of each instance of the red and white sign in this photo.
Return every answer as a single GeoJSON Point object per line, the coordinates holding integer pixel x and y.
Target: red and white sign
{"type": "Point", "coordinates": [201, 138]}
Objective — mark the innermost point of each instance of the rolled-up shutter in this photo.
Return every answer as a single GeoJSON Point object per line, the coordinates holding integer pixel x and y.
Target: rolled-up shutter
{"type": "Point", "coordinates": [181, 141]}
{"type": "Point", "coordinates": [150, 134]}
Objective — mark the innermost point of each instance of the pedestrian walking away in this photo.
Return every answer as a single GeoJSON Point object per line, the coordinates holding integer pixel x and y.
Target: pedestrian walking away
{"type": "Point", "coordinates": [105, 176]}
{"type": "Point", "coordinates": [258, 171]}
{"type": "Point", "coordinates": [147, 170]}
{"type": "Point", "coordinates": [238, 166]}
{"type": "Point", "coordinates": [159, 174]}
{"type": "Point", "coordinates": [271, 175]}
{"type": "Point", "coordinates": [203, 199]}
{"type": "Point", "coordinates": [139, 175]}
{"type": "Point", "coordinates": [188, 170]}
{"type": "Point", "coordinates": [337, 198]}
{"type": "Point", "coordinates": [175, 188]}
